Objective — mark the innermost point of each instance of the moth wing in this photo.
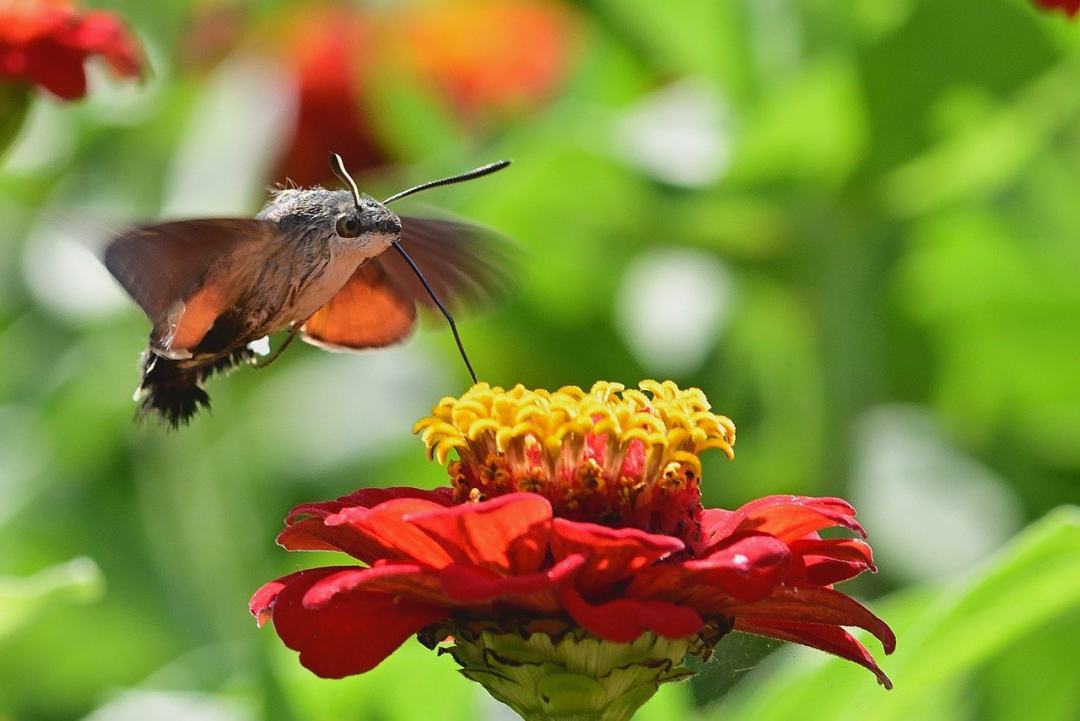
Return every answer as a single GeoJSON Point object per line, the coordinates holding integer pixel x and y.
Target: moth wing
{"type": "Point", "coordinates": [467, 265]}
{"type": "Point", "coordinates": [370, 311]}
{"type": "Point", "coordinates": [168, 269]}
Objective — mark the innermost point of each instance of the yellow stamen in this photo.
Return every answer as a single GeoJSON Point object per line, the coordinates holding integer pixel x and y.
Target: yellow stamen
{"type": "Point", "coordinates": [590, 477]}
{"type": "Point", "coordinates": [671, 417]}
{"type": "Point", "coordinates": [610, 454]}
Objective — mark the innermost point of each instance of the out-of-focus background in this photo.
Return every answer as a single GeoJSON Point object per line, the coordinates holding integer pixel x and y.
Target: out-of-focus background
{"type": "Point", "coordinates": [855, 225]}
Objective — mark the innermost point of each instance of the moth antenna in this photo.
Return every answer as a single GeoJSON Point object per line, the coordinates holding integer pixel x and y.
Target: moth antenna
{"type": "Point", "coordinates": [445, 312]}
{"type": "Point", "coordinates": [338, 166]}
{"type": "Point", "coordinates": [471, 175]}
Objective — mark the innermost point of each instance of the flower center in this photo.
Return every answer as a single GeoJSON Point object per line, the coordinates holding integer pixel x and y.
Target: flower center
{"type": "Point", "coordinates": [615, 456]}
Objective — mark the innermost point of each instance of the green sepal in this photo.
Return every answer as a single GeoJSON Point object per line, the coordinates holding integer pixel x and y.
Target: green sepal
{"type": "Point", "coordinates": [562, 673]}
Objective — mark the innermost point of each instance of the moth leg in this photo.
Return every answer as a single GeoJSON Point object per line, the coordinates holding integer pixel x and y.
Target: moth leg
{"type": "Point", "coordinates": [294, 330]}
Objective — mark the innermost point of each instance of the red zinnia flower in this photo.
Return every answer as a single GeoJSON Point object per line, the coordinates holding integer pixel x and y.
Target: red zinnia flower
{"type": "Point", "coordinates": [46, 43]}
{"type": "Point", "coordinates": [573, 533]}
{"type": "Point", "coordinates": [1069, 7]}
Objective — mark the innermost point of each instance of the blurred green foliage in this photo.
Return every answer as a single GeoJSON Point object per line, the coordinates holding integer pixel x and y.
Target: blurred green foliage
{"type": "Point", "coordinates": [882, 206]}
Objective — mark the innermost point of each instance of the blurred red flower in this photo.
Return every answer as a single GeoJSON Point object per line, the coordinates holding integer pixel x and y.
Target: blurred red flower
{"type": "Point", "coordinates": [479, 56]}
{"type": "Point", "coordinates": [46, 43]}
{"type": "Point", "coordinates": [1069, 7]}
{"type": "Point", "coordinates": [328, 49]}
{"type": "Point", "coordinates": [488, 551]}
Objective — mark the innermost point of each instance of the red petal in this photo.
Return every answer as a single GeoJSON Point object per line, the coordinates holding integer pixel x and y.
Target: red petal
{"type": "Point", "coordinates": [403, 580]}
{"type": "Point", "coordinates": [351, 635]}
{"type": "Point", "coordinates": [1069, 7]}
{"type": "Point", "coordinates": [747, 569]}
{"type": "Point", "coordinates": [595, 446]}
{"type": "Point", "coordinates": [810, 604]}
{"type": "Point", "coordinates": [832, 639]}
{"type": "Point", "coordinates": [472, 584]}
{"type": "Point", "coordinates": [716, 525]}
{"type": "Point", "coordinates": [308, 527]}
{"type": "Point", "coordinates": [56, 68]}
{"type": "Point", "coordinates": [388, 534]}
{"type": "Point", "coordinates": [508, 534]}
{"type": "Point", "coordinates": [633, 465]}
{"type": "Point", "coordinates": [367, 498]}
{"type": "Point", "coordinates": [49, 46]}
{"type": "Point", "coordinates": [262, 601]}
{"type": "Point", "coordinates": [624, 619]}
{"type": "Point", "coordinates": [789, 518]}
{"type": "Point", "coordinates": [102, 33]}
{"type": "Point", "coordinates": [611, 554]}
{"type": "Point", "coordinates": [823, 562]}
{"type": "Point", "coordinates": [312, 534]}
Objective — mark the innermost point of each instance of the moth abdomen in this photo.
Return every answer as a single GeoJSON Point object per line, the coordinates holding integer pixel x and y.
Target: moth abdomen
{"type": "Point", "coordinates": [172, 389]}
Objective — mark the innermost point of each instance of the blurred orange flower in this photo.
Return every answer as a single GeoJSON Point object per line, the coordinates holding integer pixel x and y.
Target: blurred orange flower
{"type": "Point", "coordinates": [46, 43]}
{"type": "Point", "coordinates": [483, 55]}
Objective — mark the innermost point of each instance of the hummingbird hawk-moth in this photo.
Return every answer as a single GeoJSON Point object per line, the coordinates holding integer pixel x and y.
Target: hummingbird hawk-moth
{"type": "Point", "coordinates": [312, 262]}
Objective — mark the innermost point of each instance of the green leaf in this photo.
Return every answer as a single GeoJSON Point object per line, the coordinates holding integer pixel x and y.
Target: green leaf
{"type": "Point", "coordinates": [811, 129]}
{"type": "Point", "coordinates": [22, 599]}
{"type": "Point", "coordinates": [1012, 685]}
{"type": "Point", "coordinates": [14, 100]}
{"type": "Point", "coordinates": [710, 44]}
{"type": "Point", "coordinates": [410, 119]}
{"type": "Point", "coordinates": [989, 152]}
{"type": "Point", "coordinates": [1015, 306]}
{"type": "Point", "coordinates": [672, 701]}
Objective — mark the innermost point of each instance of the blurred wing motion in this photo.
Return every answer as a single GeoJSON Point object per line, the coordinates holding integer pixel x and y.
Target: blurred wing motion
{"type": "Point", "coordinates": [466, 266]}
{"type": "Point", "coordinates": [168, 269]}
{"type": "Point", "coordinates": [370, 311]}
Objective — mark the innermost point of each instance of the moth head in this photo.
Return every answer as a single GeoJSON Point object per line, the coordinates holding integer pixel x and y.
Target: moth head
{"type": "Point", "coordinates": [334, 216]}
{"type": "Point", "coordinates": [361, 218]}
{"type": "Point", "coordinates": [367, 224]}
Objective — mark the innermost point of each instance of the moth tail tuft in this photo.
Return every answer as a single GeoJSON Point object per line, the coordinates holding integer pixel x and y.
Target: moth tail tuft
{"type": "Point", "coordinates": [170, 392]}
{"type": "Point", "coordinates": [173, 391]}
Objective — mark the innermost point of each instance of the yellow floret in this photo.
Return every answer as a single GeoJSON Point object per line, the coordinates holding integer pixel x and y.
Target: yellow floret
{"type": "Point", "coordinates": [675, 422]}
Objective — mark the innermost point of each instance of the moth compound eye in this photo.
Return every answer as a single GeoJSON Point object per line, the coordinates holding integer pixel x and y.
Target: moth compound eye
{"type": "Point", "coordinates": [348, 226]}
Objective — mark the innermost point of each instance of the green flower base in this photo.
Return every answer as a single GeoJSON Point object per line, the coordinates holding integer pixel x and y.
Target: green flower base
{"type": "Point", "coordinates": [551, 671]}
